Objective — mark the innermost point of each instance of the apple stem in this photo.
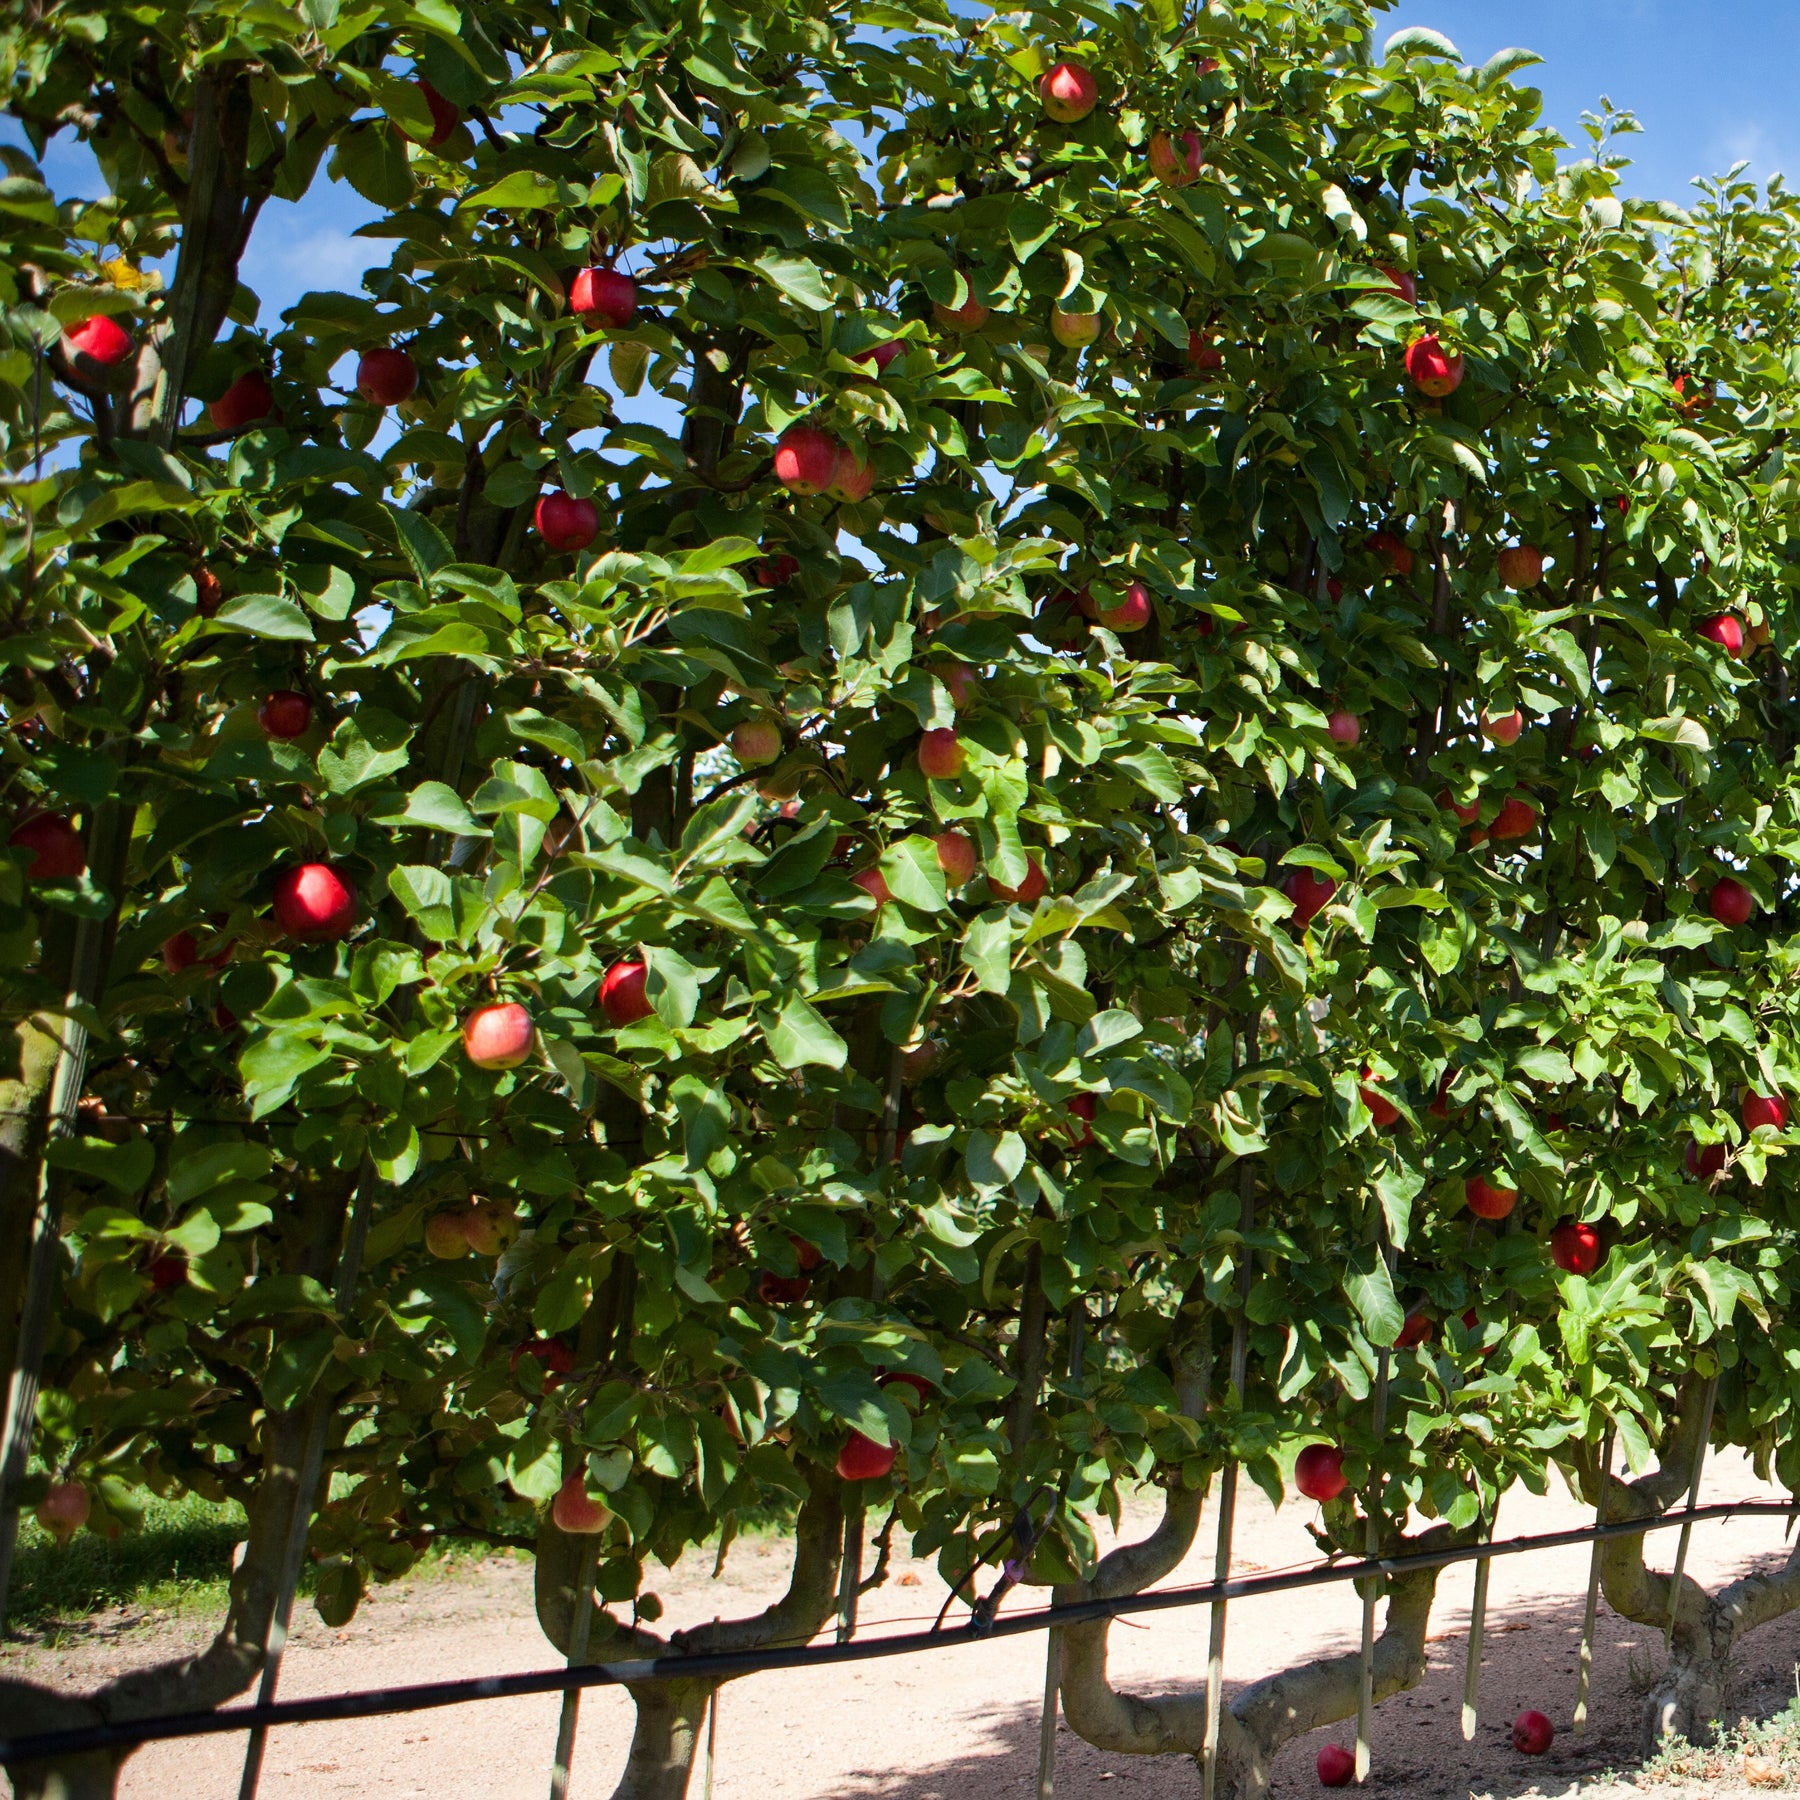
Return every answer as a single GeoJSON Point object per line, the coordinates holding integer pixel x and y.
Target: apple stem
{"type": "Point", "coordinates": [1593, 1591]}
{"type": "Point", "coordinates": [1687, 1529]}
{"type": "Point", "coordinates": [579, 1626]}
{"type": "Point", "coordinates": [1471, 1705]}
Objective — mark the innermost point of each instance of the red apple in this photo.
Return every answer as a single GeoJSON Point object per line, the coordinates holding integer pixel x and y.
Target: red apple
{"type": "Point", "coordinates": [314, 902]}
{"type": "Point", "coordinates": [1726, 630]}
{"type": "Point", "coordinates": [1336, 1766]}
{"type": "Point", "coordinates": [285, 715]}
{"type": "Point", "coordinates": [1487, 1201]}
{"type": "Point", "coordinates": [1419, 1327]}
{"type": "Point", "coordinates": [1068, 92]}
{"type": "Point", "coordinates": [809, 1256]}
{"type": "Point", "coordinates": [778, 570]}
{"type": "Point", "coordinates": [603, 297]}
{"type": "Point", "coordinates": [756, 742]}
{"type": "Point", "coordinates": [1440, 1103]}
{"type": "Point", "coordinates": [1763, 1109]}
{"type": "Point", "coordinates": [970, 316]}
{"type": "Point", "coordinates": [1203, 354]}
{"type": "Point", "coordinates": [1176, 160]}
{"type": "Point", "coordinates": [1516, 819]}
{"type": "Point", "coordinates": [1575, 1247]}
{"type": "Point", "coordinates": [1073, 330]}
{"type": "Point", "coordinates": [100, 339]}
{"type": "Point", "coordinates": [904, 1378]}
{"type": "Point", "coordinates": [1521, 565]}
{"type": "Point", "coordinates": [574, 1512]}
{"type": "Point", "coordinates": [565, 523]}
{"type": "Point", "coordinates": [1466, 814]}
{"type": "Point", "coordinates": [552, 1355]}
{"type": "Point", "coordinates": [209, 593]}
{"type": "Point", "coordinates": [941, 755]}
{"type": "Point", "coordinates": [1381, 1109]}
{"type": "Point", "coordinates": [1082, 1107]}
{"type": "Point", "coordinates": [878, 356]}
{"type": "Point", "coordinates": [622, 995]}
{"type": "Point", "coordinates": [1131, 612]}
{"type": "Point", "coordinates": [385, 377]}
{"type": "Point", "coordinates": [1319, 1472]}
{"type": "Point", "coordinates": [64, 1509]}
{"type": "Point", "coordinates": [167, 1271]}
{"type": "Point", "coordinates": [1705, 392]}
{"type": "Point", "coordinates": [1343, 727]}
{"type": "Point", "coordinates": [1310, 892]}
{"type": "Point", "coordinates": [1730, 902]}
{"type": "Point", "coordinates": [1405, 285]}
{"type": "Point", "coordinates": [1532, 1733]}
{"type": "Point", "coordinates": [56, 844]}
{"type": "Point", "coordinates": [490, 1227]}
{"type": "Point", "coordinates": [498, 1037]}
{"type": "Point", "coordinates": [247, 400]}
{"type": "Point", "coordinates": [852, 475]}
{"type": "Point", "coordinates": [874, 884]}
{"type": "Point", "coordinates": [781, 1290]}
{"type": "Point", "coordinates": [806, 460]}
{"type": "Point", "coordinates": [180, 952]}
{"type": "Point", "coordinates": [918, 1060]}
{"type": "Point", "coordinates": [1505, 729]}
{"type": "Point", "coordinates": [444, 116]}
{"type": "Point", "coordinates": [1399, 556]}
{"type": "Point", "coordinates": [1434, 370]}
{"type": "Point", "coordinates": [1028, 892]}
{"type": "Point", "coordinates": [447, 1236]}
{"type": "Point", "coordinates": [962, 681]}
{"type": "Point", "coordinates": [956, 857]}
{"type": "Point", "coordinates": [1703, 1162]}
{"type": "Point", "coordinates": [862, 1459]}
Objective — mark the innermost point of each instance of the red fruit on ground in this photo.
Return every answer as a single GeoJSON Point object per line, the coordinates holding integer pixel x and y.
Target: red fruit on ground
{"type": "Point", "coordinates": [941, 754]}
{"type": "Point", "coordinates": [806, 460]}
{"type": "Point", "coordinates": [1521, 566]}
{"type": "Point", "coordinates": [1310, 892]}
{"type": "Point", "coordinates": [314, 902]}
{"type": "Point", "coordinates": [1532, 1733]}
{"type": "Point", "coordinates": [100, 339]}
{"type": "Point", "coordinates": [1726, 630]}
{"type": "Point", "coordinates": [1515, 819]}
{"type": "Point", "coordinates": [1486, 1201]}
{"type": "Point", "coordinates": [1336, 1766]}
{"type": "Point", "coordinates": [1704, 1161]}
{"type": "Point", "coordinates": [1505, 729]}
{"type": "Point", "coordinates": [1764, 1109]}
{"type": "Point", "coordinates": [565, 523]}
{"type": "Point", "coordinates": [386, 376]}
{"type": "Point", "coordinates": [1028, 892]}
{"type": "Point", "coordinates": [874, 884]}
{"type": "Point", "coordinates": [957, 857]}
{"type": "Point", "coordinates": [498, 1037]}
{"type": "Point", "coordinates": [1575, 1248]}
{"type": "Point", "coordinates": [603, 297]}
{"type": "Point", "coordinates": [1068, 92]}
{"type": "Point", "coordinates": [247, 400]}
{"type": "Point", "coordinates": [1176, 158]}
{"type": "Point", "coordinates": [622, 995]}
{"type": "Point", "coordinates": [1319, 1472]}
{"type": "Point", "coordinates": [1730, 902]}
{"type": "Point", "coordinates": [56, 844]}
{"type": "Point", "coordinates": [1405, 284]}
{"type": "Point", "coordinates": [862, 1459]}
{"type": "Point", "coordinates": [285, 715]}
{"type": "Point", "coordinates": [1343, 727]}
{"type": "Point", "coordinates": [1435, 371]}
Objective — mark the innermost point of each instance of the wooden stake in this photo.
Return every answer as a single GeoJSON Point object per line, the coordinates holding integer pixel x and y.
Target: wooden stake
{"type": "Point", "coordinates": [579, 1627]}
{"type": "Point", "coordinates": [1477, 1621]}
{"type": "Point", "coordinates": [1583, 1680]}
{"type": "Point", "coordinates": [1365, 1699]}
{"type": "Point", "coordinates": [850, 1571]}
{"type": "Point", "coordinates": [1687, 1530]}
{"type": "Point", "coordinates": [712, 1726]}
{"type": "Point", "coordinates": [1046, 1773]}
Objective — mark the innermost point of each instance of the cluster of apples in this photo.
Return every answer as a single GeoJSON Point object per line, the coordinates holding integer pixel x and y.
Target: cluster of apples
{"type": "Point", "coordinates": [810, 461]}
{"type": "Point", "coordinates": [1069, 93]}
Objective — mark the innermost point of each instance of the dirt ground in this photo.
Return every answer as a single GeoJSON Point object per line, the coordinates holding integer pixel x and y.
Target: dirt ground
{"type": "Point", "coordinates": [959, 1724]}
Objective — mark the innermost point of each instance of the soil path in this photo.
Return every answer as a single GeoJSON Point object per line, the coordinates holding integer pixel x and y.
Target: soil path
{"type": "Point", "coordinates": [960, 1724]}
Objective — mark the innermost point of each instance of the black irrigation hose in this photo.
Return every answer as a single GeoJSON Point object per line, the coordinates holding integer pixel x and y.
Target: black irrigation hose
{"type": "Point", "coordinates": [377, 1702]}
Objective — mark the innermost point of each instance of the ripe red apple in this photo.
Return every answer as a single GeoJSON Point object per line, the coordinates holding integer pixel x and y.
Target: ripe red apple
{"type": "Point", "coordinates": [1176, 160]}
{"type": "Point", "coordinates": [1319, 1472]}
{"type": "Point", "coordinates": [490, 1227]}
{"type": "Point", "coordinates": [444, 116]}
{"type": "Point", "coordinates": [1705, 392]}
{"type": "Point", "coordinates": [1072, 330]}
{"type": "Point", "coordinates": [386, 376]}
{"type": "Point", "coordinates": [1487, 1201]}
{"type": "Point", "coordinates": [1419, 1327]}
{"type": "Point", "coordinates": [552, 1355]}
{"type": "Point", "coordinates": [285, 715]}
{"type": "Point", "coordinates": [56, 844]}
{"type": "Point", "coordinates": [1763, 1109]}
{"type": "Point", "coordinates": [498, 1037]}
{"type": "Point", "coordinates": [905, 1378]}
{"type": "Point", "coordinates": [1521, 566]}
{"type": "Point", "coordinates": [1516, 819]}
{"type": "Point", "coordinates": [1730, 902]}
{"type": "Point", "coordinates": [1132, 611]}
{"type": "Point", "coordinates": [874, 884]}
{"type": "Point", "coordinates": [1726, 630]}
{"type": "Point", "coordinates": [1336, 1766]}
{"type": "Point", "coordinates": [574, 1512]}
{"type": "Point", "coordinates": [941, 755]}
{"type": "Point", "coordinates": [970, 316]}
{"type": "Point", "coordinates": [622, 995]}
{"type": "Point", "coordinates": [100, 339]}
{"type": "Point", "coordinates": [1434, 370]}
{"type": "Point", "coordinates": [852, 475]}
{"type": "Point", "coordinates": [1405, 285]}
{"type": "Point", "coordinates": [781, 1290]}
{"type": "Point", "coordinates": [1203, 354]}
{"type": "Point", "coordinates": [604, 297]}
{"type": "Point", "coordinates": [806, 460]}
{"type": "Point", "coordinates": [314, 902]}
{"type": "Point", "coordinates": [1704, 1161]}
{"type": "Point", "coordinates": [1343, 727]}
{"type": "Point", "coordinates": [1399, 555]}
{"type": "Point", "coordinates": [1028, 892]}
{"type": "Point", "coordinates": [1532, 1733]}
{"type": "Point", "coordinates": [862, 1459]}
{"type": "Point", "coordinates": [1310, 892]}
{"type": "Point", "coordinates": [962, 681]}
{"type": "Point", "coordinates": [1575, 1247]}
{"type": "Point", "coordinates": [1381, 1109]}
{"type": "Point", "coordinates": [167, 1271]}
{"type": "Point", "coordinates": [1082, 1107]}
{"type": "Point", "coordinates": [1068, 92]}
{"type": "Point", "coordinates": [756, 742]}
{"type": "Point", "coordinates": [957, 857]}
{"type": "Point", "coordinates": [64, 1509]}
{"type": "Point", "coordinates": [209, 593]}
{"type": "Point", "coordinates": [447, 1236]}
{"type": "Point", "coordinates": [778, 570]}
{"type": "Point", "coordinates": [1467, 815]}
{"type": "Point", "coordinates": [180, 952]}
{"type": "Point", "coordinates": [1505, 729]}
{"type": "Point", "coordinates": [878, 356]}
{"type": "Point", "coordinates": [565, 523]}
{"type": "Point", "coordinates": [917, 1061]}
{"type": "Point", "coordinates": [247, 400]}
{"type": "Point", "coordinates": [1440, 1103]}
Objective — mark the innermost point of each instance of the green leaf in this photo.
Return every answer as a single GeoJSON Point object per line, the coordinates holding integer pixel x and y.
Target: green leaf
{"type": "Point", "coordinates": [914, 875]}
{"type": "Point", "coordinates": [435, 806]}
{"type": "Point", "coordinates": [266, 616]}
{"type": "Point", "coordinates": [798, 281]}
{"type": "Point", "coordinates": [127, 1166]}
{"type": "Point", "coordinates": [1416, 40]}
{"type": "Point", "coordinates": [426, 548]}
{"type": "Point", "coordinates": [801, 1036]}
{"type": "Point", "coordinates": [1106, 1029]}
{"type": "Point", "coordinates": [672, 986]}
{"type": "Point", "coordinates": [987, 950]}
{"type": "Point", "coordinates": [1371, 1292]}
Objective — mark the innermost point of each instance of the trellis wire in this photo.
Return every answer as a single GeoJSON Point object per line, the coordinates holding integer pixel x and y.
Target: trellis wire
{"type": "Point", "coordinates": [1583, 1680]}
{"type": "Point", "coordinates": [731, 1665]}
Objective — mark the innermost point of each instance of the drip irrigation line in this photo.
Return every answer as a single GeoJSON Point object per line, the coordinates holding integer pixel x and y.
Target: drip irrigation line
{"type": "Point", "coordinates": [729, 1665]}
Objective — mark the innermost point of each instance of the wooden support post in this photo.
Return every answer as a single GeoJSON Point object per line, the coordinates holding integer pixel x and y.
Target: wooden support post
{"type": "Point", "coordinates": [1583, 1680]}
{"type": "Point", "coordinates": [712, 1726]}
{"type": "Point", "coordinates": [850, 1571]}
{"type": "Point", "coordinates": [580, 1624]}
{"type": "Point", "coordinates": [1046, 1770]}
{"type": "Point", "coordinates": [1365, 1697]}
{"type": "Point", "coordinates": [1687, 1529]}
{"type": "Point", "coordinates": [1471, 1707]}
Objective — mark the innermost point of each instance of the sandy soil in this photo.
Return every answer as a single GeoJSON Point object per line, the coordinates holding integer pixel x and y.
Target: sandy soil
{"type": "Point", "coordinates": [960, 1724]}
